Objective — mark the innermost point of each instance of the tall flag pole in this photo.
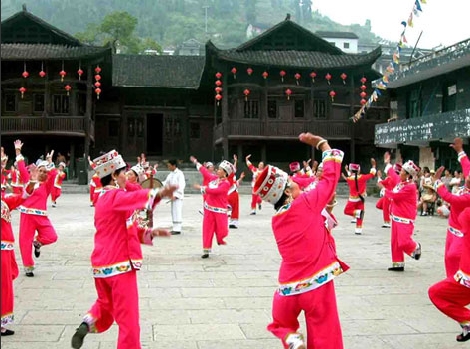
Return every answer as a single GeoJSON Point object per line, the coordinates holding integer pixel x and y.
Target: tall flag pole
{"type": "Point", "coordinates": [383, 83]}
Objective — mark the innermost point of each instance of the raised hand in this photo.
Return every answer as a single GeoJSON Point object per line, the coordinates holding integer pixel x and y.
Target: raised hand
{"type": "Point", "coordinates": [18, 144]}
{"type": "Point", "coordinates": [310, 139]}
{"type": "Point", "coordinates": [192, 159]}
{"type": "Point", "coordinates": [160, 232]}
{"type": "Point", "coordinates": [373, 162]}
{"type": "Point", "coordinates": [438, 173]}
{"type": "Point", "coordinates": [387, 157]}
{"type": "Point", "coordinates": [457, 145]}
{"type": "Point", "coordinates": [247, 158]}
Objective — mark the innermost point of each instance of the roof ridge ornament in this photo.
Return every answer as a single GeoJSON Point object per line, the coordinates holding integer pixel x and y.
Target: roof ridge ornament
{"type": "Point", "coordinates": [24, 8]}
{"type": "Point", "coordinates": [288, 17]}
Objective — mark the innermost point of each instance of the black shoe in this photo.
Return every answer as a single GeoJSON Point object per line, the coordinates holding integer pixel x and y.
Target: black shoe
{"type": "Point", "coordinates": [259, 207]}
{"type": "Point", "coordinates": [253, 213]}
{"type": "Point", "coordinates": [459, 338]}
{"type": "Point", "coordinates": [231, 226]}
{"type": "Point", "coordinates": [8, 332]}
{"type": "Point", "coordinates": [175, 232]}
{"type": "Point", "coordinates": [205, 255]}
{"type": "Point", "coordinates": [37, 249]}
{"type": "Point", "coordinates": [80, 333]}
{"type": "Point", "coordinates": [417, 253]}
{"type": "Point", "coordinates": [29, 274]}
{"type": "Point", "coordinates": [396, 268]}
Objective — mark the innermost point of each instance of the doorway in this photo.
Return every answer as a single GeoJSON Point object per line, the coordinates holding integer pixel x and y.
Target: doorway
{"type": "Point", "coordinates": [155, 134]}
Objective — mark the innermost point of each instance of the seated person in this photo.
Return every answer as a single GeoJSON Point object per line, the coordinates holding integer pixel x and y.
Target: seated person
{"type": "Point", "coordinates": [427, 199]}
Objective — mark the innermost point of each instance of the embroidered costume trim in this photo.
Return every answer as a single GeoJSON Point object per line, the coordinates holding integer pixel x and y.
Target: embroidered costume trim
{"type": "Point", "coordinates": [319, 279]}
{"type": "Point", "coordinates": [214, 209]}
{"type": "Point", "coordinates": [462, 278]}
{"type": "Point", "coordinates": [7, 245]}
{"type": "Point", "coordinates": [456, 232]}
{"type": "Point", "coordinates": [7, 319]}
{"type": "Point", "coordinates": [6, 214]}
{"type": "Point", "coordinates": [402, 220]}
{"type": "Point", "coordinates": [116, 268]}
{"type": "Point", "coordinates": [33, 211]}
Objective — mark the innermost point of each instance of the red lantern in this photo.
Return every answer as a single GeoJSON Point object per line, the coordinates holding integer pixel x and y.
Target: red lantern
{"type": "Point", "coordinates": [218, 90]}
{"type": "Point", "coordinates": [363, 80]}
{"type": "Point", "coordinates": [97, 91]}
{"type": "Point", "coordinates": [297, 77]}
{"type": "Point", "coordinates": [80, 73]}
{"type": "Point", "coordinates": [97, 84]}
{"type": "Point", "coordinates": [22, 90]}
{"type": "Point", "coordinates": [249, 71]}
{"type": "Point", "coordinates": [313, 76]}
{"type": "Point", "coordinates": [62, 75]}
{"type": "Point", "coordinates": [246, 92]}
{"type": "Point", "coordinates": [363, 101]}
{"type": "Point", "coordinates": [344, 77]}
{"type": "Point", "coordinates": [97, 77]}
{"type": "Point", "coordinates": [42, 73]}
{"type": "Point", "coordinates": [328, 78]}
{"type": "Point", "coordinates": [218, 83]}
{"type": "Point", "coordinates": [218, 97]}
{"type": "Point", "coordinates": [282, 73]}
{"type": "Point", "coordinates": [265, 75]}
{"type": "Point", "coordinates": [218, 75]}
{"type": "Point", "coordinates": [363, 87]}
{"type": "Point", "coordinates": [25, 74]}
{"type": "Point", "coordinates": [68, 88]}
{"type": "Point", "coordinates": [332, 95]}
{"type": "Point", "coordinates": [234, 72]}
{"type": "Point", "coordinates": [288, 93]}
{"type": "Point", "coordinates": [97, 70]}
{"type": "Point", "coordinates": [363, 94]}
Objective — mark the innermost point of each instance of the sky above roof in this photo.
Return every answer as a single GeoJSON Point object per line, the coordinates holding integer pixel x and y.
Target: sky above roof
{"type": "Point", "coordinates": [442, 22]}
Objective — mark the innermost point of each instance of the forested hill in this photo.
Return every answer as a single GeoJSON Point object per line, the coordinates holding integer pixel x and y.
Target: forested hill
{"type": "Point", "coordinates": [170, 22]}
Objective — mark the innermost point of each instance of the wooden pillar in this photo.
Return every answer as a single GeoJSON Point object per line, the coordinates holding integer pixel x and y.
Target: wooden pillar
{"type": "Point", "coordinates": [263, 153]}
{"type": "Point", "coordinates": [88, 111]}
{"type": "Point", "coordinates": [72, 169]}
{"type": "Point", "coordinates": [353, 125]}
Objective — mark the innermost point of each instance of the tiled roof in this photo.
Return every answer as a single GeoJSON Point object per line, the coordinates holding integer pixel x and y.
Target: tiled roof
{"type": "Point", "coordinates": [337, 35]}
{"type": "Point", "coordinates": [157, 71]}
{"type": "Point", "coordinates": [49, 52]}
{"type": "Point", "coordinates": [297, 59]}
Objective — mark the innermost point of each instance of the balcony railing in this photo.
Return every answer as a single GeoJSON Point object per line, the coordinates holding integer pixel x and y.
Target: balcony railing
{"type": "Point", "coordinates": [290, 129]}
{"type": "Point", "coordinates": [435, 127]}
{"type": "Point", "coordinates": [63, 125]}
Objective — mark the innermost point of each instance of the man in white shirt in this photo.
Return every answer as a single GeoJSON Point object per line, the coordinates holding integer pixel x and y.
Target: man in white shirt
{"type": "Point", "coordinates": [176, 177]}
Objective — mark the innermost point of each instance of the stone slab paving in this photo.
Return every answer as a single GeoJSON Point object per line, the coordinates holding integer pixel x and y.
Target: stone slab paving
{"type": "Point", "coordinates": [225, 301]}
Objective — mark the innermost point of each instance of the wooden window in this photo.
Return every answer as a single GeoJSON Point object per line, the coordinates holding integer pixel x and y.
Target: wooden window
{"type": "Point", "coordinates": [319, 108]}
{"type": "Point", "coordinates": [272, 109]}
{"type": "Point", "coordinates": [299, 108]}
{"type": "Point", "coordinates": [10, 102]}
{"type": "Point", "coordinates": [250, 110]}
{"type": "Point", "coordinates": [414, 104]}
{"type": "Point", "coordinates": [345, 44]}
{"type": "Point", "coordinates": [38, 102]}
{"type": "Point", "coordinates": [195, 131]}
{"type": "Point", "coordinates": [61, 104]}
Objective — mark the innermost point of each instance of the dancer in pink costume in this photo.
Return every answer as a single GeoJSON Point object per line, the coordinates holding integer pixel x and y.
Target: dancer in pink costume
{"type": "Point", "coordinates": [255, 199]}
{"type": "Point", "coordinates": [57, 188]}
{"type": "Point", "coordinates": [309, 261]}
{"type": "Point", "coordinates": [403, 211]}
{"type": "Point", "coordinates": [215, 219]}
{"type": "Point", "coordinates": [233, 197]}
{"type": "Point", "coordinates": [9, 268]}
{"type": "Point", "coordinates": [385, 204]}
{"type": "Point", "coordinates": [34, 211]}
{"type": "Point", "coordinates": [452, 295]}
{"type": "Point", "coordinates": [117, 253]}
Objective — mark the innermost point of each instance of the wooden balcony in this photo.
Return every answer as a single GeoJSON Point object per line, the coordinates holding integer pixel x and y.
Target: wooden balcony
{"type": "Point", "coordinates": [290, 129]}
{"type": "Point", "coordinates": [46, 125]}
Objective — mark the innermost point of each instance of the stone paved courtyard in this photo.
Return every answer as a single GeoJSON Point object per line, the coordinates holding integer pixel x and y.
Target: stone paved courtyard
{"type": "Point", "coordinates": [225, 301]}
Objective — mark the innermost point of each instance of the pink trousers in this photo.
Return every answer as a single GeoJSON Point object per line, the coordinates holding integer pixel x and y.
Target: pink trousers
{"type": "Point", "coordinates": [355, 208]}
{"type": "Point", "coordinates": [9, 272]}
{"type": "Point", "coordinates": [452, 299]}
{"type": "Point", "coordinates": [452, 254]}
{"type": "Point", "coordinates": [55, 193]}
{"type": "Point", "coordinates": [213, 223]}
{"type": "Point", "coordinates": [402, 241]}
{"type": "Point", "coordinates": [321, 315]}
{"type": "Point", "coordinates": [233, 201]}
{"type": "Point", "coordinates": [384, 205]}
{"type": "Point", "coordinates": [118, 299]}
{"type": "Point", "coordinates": [29, 224]}
{"type": "Point", "coordinates": [255, 200]}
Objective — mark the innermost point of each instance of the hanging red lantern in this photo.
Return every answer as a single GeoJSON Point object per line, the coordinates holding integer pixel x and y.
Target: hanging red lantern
{"type": "Point", "coordinates": [25, 74]}
{"type": "Point", "coordinates": [249, 71]}
{"type": "Point", "coordinates": [288, 93]}
{"type": "Point", "coordinates": [282, 73]}
{"type": "Point", "coordinates": [98, 70]}
{"type": "Point", "coordinates": [297, 77]}
{"type": "Point", "coordinates": [313, 75]}
{"type": "Point", "coordinates": [246, 92]}
{"type": "Point", "coordinates": [218, 90]}
{"type": "Point", "coordinates": [97, 84]}
{"type": "Point", "coordinates": [218, 83]}
{"type": "Point", "coordinates": [97, 91]}
{"type": "Point", "coordinates": [332, 95]}
{"type": "Point", "coordinates": [363, 101]}
{"type": "Point", "coordinates": [363, 87]}
{"type": "Point", "coordinates": [218, 97]}
{"type": "Point", "coordinates": [80, 73]}
{"type": "Point", "coordinates": [68, 88]}
{"type": "Point", "coordinates": [22, 90]}
{"type": "Point", "coordinates": [328, 78]}
{"type": "Point", "coordinates": [344, 77]}
{"type": "Point", "coordinates": [363, 94]}
{"type": "Point", "coordinates": [218, 75]}
{"type": "Point", "coordinates": [234, 72]}
{"type": "Point", "coordinates": [42, 73]}
{"type": "Point", "coordinates": [62, 75]}
{"type": "Point", "coordinates": [363, 80]}
{"type": "Point", "coordinates": [265, 75]}
{"type": "Point", "coordinates": [97, 77]}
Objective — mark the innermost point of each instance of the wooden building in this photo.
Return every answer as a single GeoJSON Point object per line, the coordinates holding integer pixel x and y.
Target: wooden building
{"type": "Point", "coordinates": [283, 82]}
